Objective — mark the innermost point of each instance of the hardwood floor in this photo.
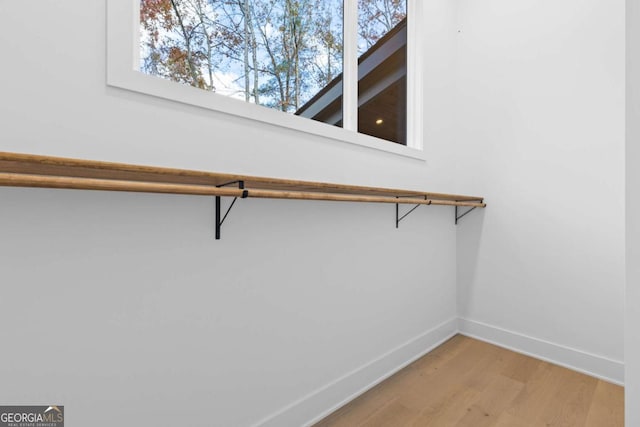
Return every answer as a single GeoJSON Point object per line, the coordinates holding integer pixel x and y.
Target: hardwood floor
{"type": "Point", "coordinates": [466, 382]}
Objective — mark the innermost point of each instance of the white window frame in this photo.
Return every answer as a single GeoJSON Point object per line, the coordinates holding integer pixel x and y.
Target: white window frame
{"type": "Point", "coordinates": [123, 59]}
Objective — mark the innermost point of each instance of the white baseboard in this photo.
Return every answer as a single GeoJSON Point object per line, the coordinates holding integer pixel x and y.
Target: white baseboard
{"type": "Point", "coordinates": [320, 403]}
{"type": "Point", "coordinates": [577, 360]}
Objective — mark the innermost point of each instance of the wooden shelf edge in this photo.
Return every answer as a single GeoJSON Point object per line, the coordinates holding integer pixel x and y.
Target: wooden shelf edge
{"type": "Point", "coordinates": [27, 170]}
{"type": "Point", "coordinates": [60, 167]}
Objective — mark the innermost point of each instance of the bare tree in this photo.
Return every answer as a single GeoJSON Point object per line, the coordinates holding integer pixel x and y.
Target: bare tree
{"type": "Point", "coordinates": [378, 17]}
{"type": "Point", "coordinates": [272, 52]}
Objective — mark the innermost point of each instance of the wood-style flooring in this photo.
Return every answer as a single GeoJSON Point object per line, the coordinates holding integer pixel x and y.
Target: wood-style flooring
{"type": "Point", "coordinates": [466, 382]}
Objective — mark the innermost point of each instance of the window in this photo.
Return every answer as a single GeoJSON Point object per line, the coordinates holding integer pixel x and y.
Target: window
{"type": "Point", "coordinates": [275, 53]}
{"type": "Point", "coordinates": [382, 69]}
{"type": "Point", "coordinates": [342, 64]}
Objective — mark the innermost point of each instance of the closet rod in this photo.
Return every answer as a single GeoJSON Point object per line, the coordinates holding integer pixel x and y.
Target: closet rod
{"type": "Point", "coordinates": [77, 183]}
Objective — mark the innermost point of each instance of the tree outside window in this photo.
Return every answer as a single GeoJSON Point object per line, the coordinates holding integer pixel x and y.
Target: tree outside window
{"type": "Point", "coordinates": [281, 54]}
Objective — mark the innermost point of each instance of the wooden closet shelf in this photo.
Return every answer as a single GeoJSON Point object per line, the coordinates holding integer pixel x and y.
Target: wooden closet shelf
{"type": "Point", "coordinates": [28, 170]}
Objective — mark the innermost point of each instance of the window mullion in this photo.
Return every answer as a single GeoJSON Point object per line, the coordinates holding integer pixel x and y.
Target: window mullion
{"type": "Point", "coordinates": [350, 66]}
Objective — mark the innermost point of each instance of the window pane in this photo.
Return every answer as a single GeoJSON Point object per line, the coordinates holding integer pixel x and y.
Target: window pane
{"type": "Point", "coordinates": [282, 54]}
{"type": "Point", "coordinates": [382, 69]}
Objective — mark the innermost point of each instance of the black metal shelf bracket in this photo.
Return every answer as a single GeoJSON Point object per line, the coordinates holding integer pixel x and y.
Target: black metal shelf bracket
{"type": "Point", "coordinates": [468, 211]}
{"type": "Point", "coordinates": [219, 221]}
{"type": "Point", "coordinates": [400, 218]}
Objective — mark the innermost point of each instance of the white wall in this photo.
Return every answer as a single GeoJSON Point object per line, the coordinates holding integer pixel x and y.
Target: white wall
{"type": "Point", "coordinates": [125, 305]}
{"type": "Point", "coordinates": [127, 301]}
{"type": "Point", "coordinates": [540, 114]}
{"type": "Point", "coordinates": [632, 331]}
